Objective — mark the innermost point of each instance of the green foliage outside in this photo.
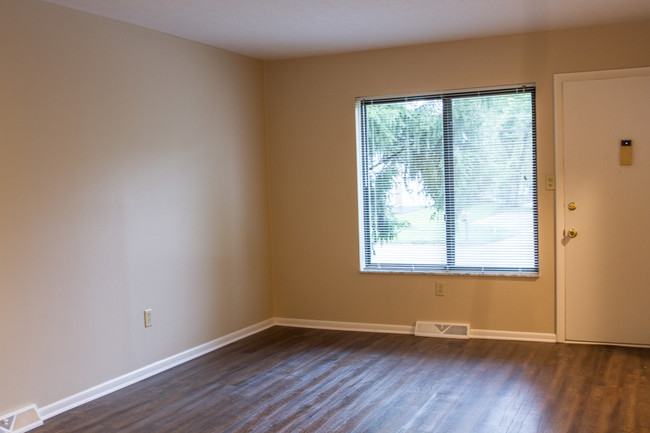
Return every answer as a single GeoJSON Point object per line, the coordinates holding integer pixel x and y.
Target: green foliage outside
{"type": "Point", "coordinates": [492, 166]}
{"type": "Point", "coordinates": [419, 227]}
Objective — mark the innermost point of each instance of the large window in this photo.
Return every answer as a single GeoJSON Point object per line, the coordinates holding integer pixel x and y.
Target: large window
{"type": "Point", "coordinates": [447, 182]}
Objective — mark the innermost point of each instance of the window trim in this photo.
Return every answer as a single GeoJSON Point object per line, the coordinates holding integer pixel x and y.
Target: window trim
{"type": "Point", "coordinates": [365, 243]}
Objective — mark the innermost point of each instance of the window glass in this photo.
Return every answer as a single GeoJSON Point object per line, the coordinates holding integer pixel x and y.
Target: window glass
{"type": "Point", "coordinates": [448, 182]}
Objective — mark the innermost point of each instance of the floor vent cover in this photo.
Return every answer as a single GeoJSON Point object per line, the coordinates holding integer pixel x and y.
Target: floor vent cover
{"type": "Point", "coordinates": [21, 420]}
{"type": "Point", "coordinates": [445, 330]}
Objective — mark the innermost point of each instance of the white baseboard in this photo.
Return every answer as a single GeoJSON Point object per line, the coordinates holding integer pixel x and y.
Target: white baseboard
{"type": "Point", "coordinates": [344, 326]}
{"type": "Point", "coordinates": [405, 329]}
{"type": "Point", "coordinates": [158, 367]}
{"type": "Point", "coordinates": [487, 334]}
{"type": "Point", "coordinates": [150, 370]}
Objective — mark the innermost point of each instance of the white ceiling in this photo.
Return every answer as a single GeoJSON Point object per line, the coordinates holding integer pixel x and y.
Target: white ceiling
{"type": "Point", "coordinates": [276, 29]}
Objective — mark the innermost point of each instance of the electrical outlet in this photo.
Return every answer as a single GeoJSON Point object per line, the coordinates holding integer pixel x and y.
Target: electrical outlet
{"type": "Point", "coordinates": [440, 288]}
{"type": "Point", "coordinates": [550, 182]}
{"type": "Point", "coordinates": [148, 320]}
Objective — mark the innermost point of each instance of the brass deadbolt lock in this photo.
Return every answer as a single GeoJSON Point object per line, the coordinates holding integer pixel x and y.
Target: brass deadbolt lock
{"type": "Point", "coordinates": [572, 206]}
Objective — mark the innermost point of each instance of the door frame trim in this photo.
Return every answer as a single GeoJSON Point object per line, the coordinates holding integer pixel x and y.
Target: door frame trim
{"type": "Point", "coordinates": [560, 269]}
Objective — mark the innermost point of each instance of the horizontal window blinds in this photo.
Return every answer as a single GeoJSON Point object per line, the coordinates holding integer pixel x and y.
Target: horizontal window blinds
{"type": "Point", "coordinates": [448, 182]}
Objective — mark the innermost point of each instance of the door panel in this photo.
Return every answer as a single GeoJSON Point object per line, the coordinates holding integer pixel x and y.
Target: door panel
{"type": "Point", "coordinates": [607, 265]}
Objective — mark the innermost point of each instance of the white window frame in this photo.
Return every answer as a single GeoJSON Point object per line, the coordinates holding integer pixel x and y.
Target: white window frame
{"type": "Point", "coordinates": [366, 266]}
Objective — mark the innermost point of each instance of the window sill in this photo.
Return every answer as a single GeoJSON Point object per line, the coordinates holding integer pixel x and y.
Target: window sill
{"type": "Point", "coordinates": [465, 273]}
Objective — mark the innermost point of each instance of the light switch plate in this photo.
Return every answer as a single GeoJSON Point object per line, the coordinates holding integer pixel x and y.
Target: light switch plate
{"type": "Point", "coordinates": [148, 319]}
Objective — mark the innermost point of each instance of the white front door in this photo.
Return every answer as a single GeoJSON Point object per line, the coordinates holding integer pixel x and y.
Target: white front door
{"type": "Point", "coordinates": [606, 266]}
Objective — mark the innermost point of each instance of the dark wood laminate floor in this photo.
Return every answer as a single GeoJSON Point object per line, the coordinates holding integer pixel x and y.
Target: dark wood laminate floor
{"type": "Point", "coordinates": [301, 380]}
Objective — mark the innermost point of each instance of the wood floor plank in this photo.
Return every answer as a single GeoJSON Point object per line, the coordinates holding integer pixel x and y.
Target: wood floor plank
{"type": "Point", "coordinates": [304, 380]}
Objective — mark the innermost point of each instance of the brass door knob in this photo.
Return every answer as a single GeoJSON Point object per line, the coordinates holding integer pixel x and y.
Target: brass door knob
{"type": "Point", "coordinates": [572, 206]}
{"type": "Point", "coordinates": [572, 233]}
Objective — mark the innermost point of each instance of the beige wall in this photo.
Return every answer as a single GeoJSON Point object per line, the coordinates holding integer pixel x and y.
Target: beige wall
{"type": "Point", "coordinates": [132, 176]}
{"type": "Point", "coordinates": [312, 160]}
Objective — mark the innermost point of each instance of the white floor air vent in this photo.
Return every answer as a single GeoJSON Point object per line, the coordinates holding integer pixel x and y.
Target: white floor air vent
{"type": "Point", "coordinates": [444, 330]}
{"type": "Point", "coordinates": [21, 420]}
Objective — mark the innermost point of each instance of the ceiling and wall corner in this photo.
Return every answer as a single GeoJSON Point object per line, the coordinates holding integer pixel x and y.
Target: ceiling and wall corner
{"type": "Point", "coordinates": [281, 29]}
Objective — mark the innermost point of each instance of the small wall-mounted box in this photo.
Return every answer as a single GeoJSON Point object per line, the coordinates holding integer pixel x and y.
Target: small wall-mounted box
{"type": "Point", "coordinates": [626, 152]}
